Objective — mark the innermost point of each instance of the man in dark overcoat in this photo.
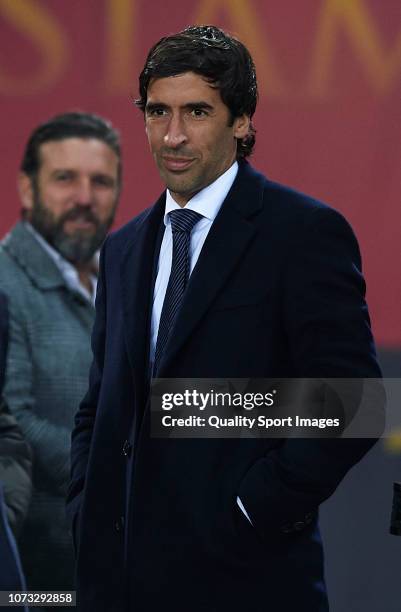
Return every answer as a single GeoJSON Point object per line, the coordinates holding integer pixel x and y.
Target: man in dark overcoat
{"type": "Point", "coordinates": [228, 275]}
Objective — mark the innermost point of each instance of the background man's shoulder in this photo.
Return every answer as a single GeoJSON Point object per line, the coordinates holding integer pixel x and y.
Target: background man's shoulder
{"type": "Point", "coordinates": [12, 276]}
{"type": "Point", "coordinates": [16, 276]}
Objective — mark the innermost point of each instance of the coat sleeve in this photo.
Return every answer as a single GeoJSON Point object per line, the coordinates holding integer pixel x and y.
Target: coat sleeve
{"type": "Point", "coordinates": [15, 470]}
{"type": "Point", "coordinates": [3, 338]}
{"type": "Point", "coordinates": [15, 453]}
{"type": "Point", "coordinates": [85, 418]}
{"type": "Point", "coordinates": [328, 330]}
{"type": "Point", "coordinates": [49, 442]}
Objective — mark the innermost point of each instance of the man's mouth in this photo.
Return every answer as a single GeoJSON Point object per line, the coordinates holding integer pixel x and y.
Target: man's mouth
{"type": "Point", "coordinates": [176, 164]}
{"type": "Point", "coordinates": [79, 223]}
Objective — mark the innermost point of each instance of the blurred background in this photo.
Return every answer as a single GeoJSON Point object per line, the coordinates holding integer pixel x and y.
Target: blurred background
{"type": "Point", "coordinates": [328, 123]}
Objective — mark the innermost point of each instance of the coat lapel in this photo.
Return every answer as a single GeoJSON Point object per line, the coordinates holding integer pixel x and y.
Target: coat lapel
{"type": "Point", "coordinates": [137, 275]}
{"type": "Point", "coordinates": [228, 239]}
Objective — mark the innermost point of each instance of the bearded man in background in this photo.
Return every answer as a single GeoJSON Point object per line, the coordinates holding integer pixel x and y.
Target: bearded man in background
{"type": "Point", "coordinates": [69, 186]}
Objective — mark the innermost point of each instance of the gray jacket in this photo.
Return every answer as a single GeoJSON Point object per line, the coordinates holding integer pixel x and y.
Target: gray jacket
{"type": "Point", "coordinates": [15, 454]}
{"type": "Point", "coordinates": [47, 370]}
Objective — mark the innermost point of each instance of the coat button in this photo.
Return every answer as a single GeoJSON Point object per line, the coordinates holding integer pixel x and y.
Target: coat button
{"type": "Point", "coordinates": [119, 524]}
{"type": "Point", "coordinates": [127, 448]}
{"type": "Point", "coordinates": [299, 525]}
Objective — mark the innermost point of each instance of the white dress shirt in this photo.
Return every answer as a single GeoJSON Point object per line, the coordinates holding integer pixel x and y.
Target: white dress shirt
{"type": "Point", "coordinates": [207, 203]}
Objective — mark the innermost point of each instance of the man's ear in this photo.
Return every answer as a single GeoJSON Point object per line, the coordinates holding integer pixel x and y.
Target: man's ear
{"type": "Point", "coordinates": [241, 126]}
{"type": "Point", "coordinates": [25, 190]}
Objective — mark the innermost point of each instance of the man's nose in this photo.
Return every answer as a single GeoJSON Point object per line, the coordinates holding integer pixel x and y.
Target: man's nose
{"type": "Point", "coordinates": [176, 134]}
{"type": "Point", "coordinates": [83, 194]}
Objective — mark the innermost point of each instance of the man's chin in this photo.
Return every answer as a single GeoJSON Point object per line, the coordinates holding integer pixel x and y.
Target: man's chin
{"type": "Point", "coordinates": [185, 189]}
{"type": "Point", "coordinates": [77, 249]}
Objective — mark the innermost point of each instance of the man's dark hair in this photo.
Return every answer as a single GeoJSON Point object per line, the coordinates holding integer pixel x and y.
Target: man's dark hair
{"type": "Point", "coordinates": [69, 125]}
{"type": "Point", "coordinates": [216, 56]}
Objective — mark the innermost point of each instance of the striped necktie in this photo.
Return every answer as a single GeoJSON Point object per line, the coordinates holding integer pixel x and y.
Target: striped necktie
{"type": "Point", "coordinates": [182, 223]}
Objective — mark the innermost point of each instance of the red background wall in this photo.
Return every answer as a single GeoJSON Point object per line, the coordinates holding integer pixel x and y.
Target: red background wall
{"type": "Point", "coordinates": [328, 121]}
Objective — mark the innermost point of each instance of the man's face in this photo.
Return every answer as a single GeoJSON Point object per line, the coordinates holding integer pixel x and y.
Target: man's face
{"type": "Point", "coordinates": [189, 132]}
{"type": "Point", "coordinates": [72, 201]}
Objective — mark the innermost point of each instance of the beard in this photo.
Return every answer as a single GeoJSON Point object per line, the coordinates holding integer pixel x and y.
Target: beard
{"type": "Point", "coordinates": [79, 247]}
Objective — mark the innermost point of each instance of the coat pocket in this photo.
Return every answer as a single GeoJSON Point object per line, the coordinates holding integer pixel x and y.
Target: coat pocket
{"type": "Point", "coordinates": [239, 299]}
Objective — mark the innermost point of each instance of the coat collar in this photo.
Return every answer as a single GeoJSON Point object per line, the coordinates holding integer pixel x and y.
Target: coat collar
{"type": "Point", "coordinates": [22, 246]}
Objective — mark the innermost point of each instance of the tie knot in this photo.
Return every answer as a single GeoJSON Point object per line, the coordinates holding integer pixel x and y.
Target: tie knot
{"type": "Point", "coordinates": [184, 220]}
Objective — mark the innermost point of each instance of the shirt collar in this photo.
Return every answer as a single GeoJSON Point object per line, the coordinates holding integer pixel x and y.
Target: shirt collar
{"type": "Point", "coordinates": [208, 201]}
{"type": "Point", "coordinates": [67, 270]}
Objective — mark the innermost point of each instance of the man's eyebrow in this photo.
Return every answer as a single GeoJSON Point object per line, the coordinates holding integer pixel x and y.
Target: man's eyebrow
{"type": "Point", "coordinates": [200, 104]}
{"type": "Point", "coordinates": [150, 106]}
{"type": "Point", "coordinates": [62, 169]}
{"type": "Point", "coordinates": [154, 105]}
